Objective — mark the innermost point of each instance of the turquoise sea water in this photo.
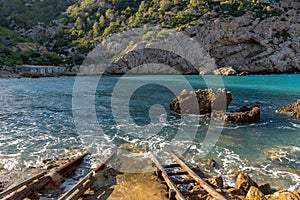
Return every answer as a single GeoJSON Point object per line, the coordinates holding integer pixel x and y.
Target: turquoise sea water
{"type": "Point", "coordinates": [36, 121]}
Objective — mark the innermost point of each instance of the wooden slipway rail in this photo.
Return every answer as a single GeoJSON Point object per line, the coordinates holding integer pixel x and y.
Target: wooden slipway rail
{"type": "Point", "coordinates": [85, 183]}
{"type": "Point", "coordinates": [190, 177]}
{"type": "Point", "coordinates": [28, 187]}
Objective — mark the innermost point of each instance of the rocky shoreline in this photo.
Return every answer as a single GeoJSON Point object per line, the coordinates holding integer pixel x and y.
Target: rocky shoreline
{"type": "Point", "coordinates": [112, 182]}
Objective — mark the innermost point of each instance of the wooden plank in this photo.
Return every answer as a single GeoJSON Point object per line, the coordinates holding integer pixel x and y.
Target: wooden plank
{"type": "Point", "coordinates": [177, 173]}
{"type": "Point", "coordinates": [67, 168]}
{"type": "Point", "coordinates": [26, 182]}
{"type": "Point", "coordinates": [77, 190]}
{"type": "Point", "coordinates": [44, 180]}
{"type": "Point", "coordinates": [184, 181]}
{"type": "Point", "coordinates": [81, 190]}
{"type": "Point", "coordinates": [193, 192]}
{"type": "Point", "coordinates": [75, 187]}
{"type": "Point", "coordinates": [171, 185]}
{"type": "Point", "coordinates": [171, 165]}
{"type": "Point", "coordinates": [202, 183]}
{"type": "Point", "coordinates": [100, 167]}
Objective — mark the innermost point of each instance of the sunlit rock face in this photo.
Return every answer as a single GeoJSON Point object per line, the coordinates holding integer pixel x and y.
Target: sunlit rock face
{"type": "Point", "coordinates": [292, 108]}
{"type": "Point", "coordinates": [252, 44]}
{"type": "Point", "coordinates": [201, 101]}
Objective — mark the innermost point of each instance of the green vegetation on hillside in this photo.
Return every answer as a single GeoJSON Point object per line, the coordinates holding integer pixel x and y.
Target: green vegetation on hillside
{"type": "Point", "coordinates": [93, 20]}
{"type": "Point", "coordinates": [10, 55]}
{"type": "Point", "coordinates": [28, 13]}
{"type": "Point", "coordinates": [97, 19]}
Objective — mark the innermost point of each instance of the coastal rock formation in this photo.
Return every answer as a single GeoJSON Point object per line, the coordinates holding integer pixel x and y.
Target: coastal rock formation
{"type": "Point", "coordinates": [265, 188]}
{"type": "Point", "coordinates": [225, 71]}
{"type": "Point", "coordinates": [254, 194]}
{"type": "Point", "coordinates": [213, 102]}
{"type": "Point", "coordinates": [133, 59]}
{"type": "Point", "coordinates": [244, 182]}
{"type": "Point", "coordinates": [244, 115]}
{"type": "Point", "coordinates": [252, 44]}
{"type": "Point", "coordinates": [236, 45]}
{"type": "Point", "coordinates": [297, 193]}
{"type": "Point", "coordinates": [201, 101]}
{"type": "Point", "coordinates": [282, 195]}
{"type": "Point", "coordinates": [293, 109]}
{"type": "Point", "coordinates": [216, 182]}
{"type": "Point", "coordinates": [247, 189]}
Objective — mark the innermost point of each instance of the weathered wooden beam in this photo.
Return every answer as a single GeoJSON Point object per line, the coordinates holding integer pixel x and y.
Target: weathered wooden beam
{"type": "Point", "coordinates": [201, 182]}
{"type": "Point", "coordinates": [10, 190]}
{"type": "Point", "coordinates": [193, 192]}
{"type": "Point", "coordinates": [177, 173]}
{"type": "Point", "coordinates": [85, 183]}
{"type": "Point", "coordinates": [171, 166]}
{"type": "Point", "coordinates": [100, 167]}
{"type": "Point", "coordinates": [171, 185]}
{"type": "Point", "coordinates": [41, 182]}
{"type": "Point", "coordinates": [77, 186]}
{"type": "Point", "coordinates": [65, 169]}
{"type": "Point", "coordinates": [184, 181]}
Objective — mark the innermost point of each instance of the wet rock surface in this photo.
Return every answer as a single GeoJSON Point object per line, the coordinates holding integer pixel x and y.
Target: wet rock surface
{"type": "Point", "coordinates": [248, 115]}
{"type": "Point", "coordinates": [213, 103]}
{"type": "Point", "coordinates": [201, 101]}
{"type": "Point", "coordinates": [292, 108]}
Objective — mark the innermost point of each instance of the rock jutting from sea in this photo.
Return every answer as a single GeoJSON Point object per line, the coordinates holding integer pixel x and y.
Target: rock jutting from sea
{"type": "Point", "coordinates": [207, 99]}
{"type": "Point", "coordinates": [213, 102]}
{"type": "Point", "coordinates": [292, 108]}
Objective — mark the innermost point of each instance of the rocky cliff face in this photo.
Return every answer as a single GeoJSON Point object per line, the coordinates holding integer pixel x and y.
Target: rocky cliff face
{"type": "Point", "coordinates": [251, 44]}
{"type": "Point", "coordinates": [245, 44]}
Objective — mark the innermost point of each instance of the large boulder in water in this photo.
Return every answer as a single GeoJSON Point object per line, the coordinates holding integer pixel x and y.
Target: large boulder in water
{"type": "Point", "coordinates": [201, 101]}
{"type": "Point", "coordinates": [292, 108]}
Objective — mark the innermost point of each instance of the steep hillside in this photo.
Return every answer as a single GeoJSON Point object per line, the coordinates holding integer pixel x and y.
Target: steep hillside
{"type": "Point", "coordinates": [16, 50]}
{"type": "Point", "coordinates": [93, 19]}
{"type": "Point", "coordinates": [70, 29]}
{"type": "Point", "coordinates": [17, 14]}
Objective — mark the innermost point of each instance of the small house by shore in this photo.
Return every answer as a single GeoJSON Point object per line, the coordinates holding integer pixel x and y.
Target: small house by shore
{"type": "Point", "coordinates": [41, 71]}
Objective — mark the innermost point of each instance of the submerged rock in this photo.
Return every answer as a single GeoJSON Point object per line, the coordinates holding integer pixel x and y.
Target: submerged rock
{"type": "Point", "coordinates": [292, 108]}
{"type": "Point", "coordinates": [201, 101]}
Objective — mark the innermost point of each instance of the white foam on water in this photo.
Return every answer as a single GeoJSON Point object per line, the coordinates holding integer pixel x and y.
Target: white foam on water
{"type": "Point", "coordinates": [295, 125]}
{"type": "Point", "coordinates": [280, 178]}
